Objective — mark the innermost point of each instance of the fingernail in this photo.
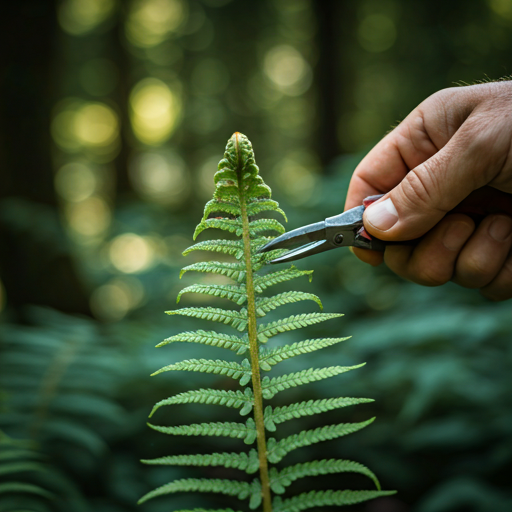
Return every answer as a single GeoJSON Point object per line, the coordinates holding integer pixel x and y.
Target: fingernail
{"type": "Point", "coordinates": [457, 235]}
{"type": "Point", "coordinates": [500, 228]}
{"type": "Point", "coordinates": [382, 215]}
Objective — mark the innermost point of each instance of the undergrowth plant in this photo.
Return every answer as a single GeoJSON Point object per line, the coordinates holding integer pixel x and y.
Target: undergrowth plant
{"type": "Point", "coordinates": [240, 199]}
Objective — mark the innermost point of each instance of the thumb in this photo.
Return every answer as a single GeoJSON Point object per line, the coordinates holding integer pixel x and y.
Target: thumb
{"type": "Point", "coordinates": [427, 193]}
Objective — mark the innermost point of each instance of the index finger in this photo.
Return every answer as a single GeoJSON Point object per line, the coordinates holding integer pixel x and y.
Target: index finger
{"type": "Point", "coordinates": [422, 134]}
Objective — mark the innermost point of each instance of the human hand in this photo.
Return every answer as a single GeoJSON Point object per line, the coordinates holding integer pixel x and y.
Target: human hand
{"type": "Point", "coordinates": [453, 150]}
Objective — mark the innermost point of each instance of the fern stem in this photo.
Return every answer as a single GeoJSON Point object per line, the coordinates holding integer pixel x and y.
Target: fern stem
{"type": "Point", "coordinates": [253, 347]}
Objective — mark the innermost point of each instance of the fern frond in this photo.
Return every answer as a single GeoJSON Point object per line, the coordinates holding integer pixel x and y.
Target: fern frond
{"type": "Point", "coordinates": [245, 431]}
{"type": "Point", "coordinates": [212, 338]}
{"type": "Point", "coordinates": [270, 357]}
{"type": "Point", "coordinates": [267, 304]}
{"type": "Point", "coordinates": [217, 366]}
{"type": "Point", "coordinates": [234, 271]}
{"type": "Point", "coordinates": [256, 206]}
{"type": "Point", "coordinates": [231, 247]}
{"type": "Point", "coordinates": [291, 323]}
{"type": "Point", "coordinates": [280, 276]}
{"type": "Point", "coordinates": [309, 408]}
{"type": "Point", "coordinates": [230, 487]}
{"type": "Point", "coordinates": [234, 293]}
{"type": "Point", "coordinates": [237, 319]}
{"type": "Point", "coordinates": [278, 449]}
{"type": "Point", "coordinates": [230, 225]}
{"type": "Point", "coordinates": [243, 461]}
{"type": "Point", "coordinates": [262, 225]}
{"type": "Point", "coordinates": [271, 387]}
{"type": "Point", "coordinates": [325, 498]}
{"type": "Point", "coordinates": [235, 399]}
{"type": "Point", "coordinates": [281, 479]}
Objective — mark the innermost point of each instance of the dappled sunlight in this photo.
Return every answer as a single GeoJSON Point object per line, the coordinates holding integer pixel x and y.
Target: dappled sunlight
{"type": "Point", "coordinates": [131, 253]}
{"type": "Point", "coordinates": [287, 70]}
{"type": "Point", "coordinates": [151, 21]}
{"type": "Point", "coordinates": [77, 17]}
{"type": "Point", "coordinates": [160, 177]}
{"type": "Point", "coordinates": [155, 111]}
{"type": "Point", "coordinates": [88, 218]}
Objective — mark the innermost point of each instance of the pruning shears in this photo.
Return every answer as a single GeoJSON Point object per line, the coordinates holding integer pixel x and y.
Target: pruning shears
{"type": "Point", "coordinates": [343, 230]}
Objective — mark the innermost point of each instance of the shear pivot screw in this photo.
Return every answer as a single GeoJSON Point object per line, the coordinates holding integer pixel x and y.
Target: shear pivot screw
{"type": "Point", "coordinates": [338, 239]}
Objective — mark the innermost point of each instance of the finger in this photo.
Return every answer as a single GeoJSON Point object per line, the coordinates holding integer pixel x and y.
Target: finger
{"type": "Point", "coordinates": [432, 262]}
{"type": "Point", "coordinates": [373, 258]}
{"type": "Point", "coordinates": [470, 160]}
{"type": "Point", "coordinates": [485, 253]}
{"type": "Point", "coordinates": [416, 139]}
{"type": "Point", "coordinates": [500, 288]}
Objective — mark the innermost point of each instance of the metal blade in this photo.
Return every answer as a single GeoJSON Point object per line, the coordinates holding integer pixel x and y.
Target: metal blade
{"type": "Point", "coordinates": [303, 251]}
{"type": "Point", "coordinates": [297, 237]}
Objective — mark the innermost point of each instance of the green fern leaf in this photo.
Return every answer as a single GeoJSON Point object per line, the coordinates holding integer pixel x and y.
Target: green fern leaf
{"type": "Point", "coordinates": [246, 431]}
{"type": "Point", "coordinates": [235, 399]}
{"type": "Point", "coordinates": [281, 479]}
{"type": "Point", "coordinates": [278, 449]}
{"type": "Point", "coordinates": [231, 247]}
{"type": "Point", "coordinates": [233, 293]}
{"type": "Point", "coordinates": [22, 487]}
{"type": "Point", "coordinates": [262, 225]}
{"type": "Point", "coordinates": [229, 487]}
{"type": "Point", "coordinates": [271, 387]}
{"type": "Point", "coordinates": [234, 271]}
{"type": "Point", "coordinates": [230, 225]}
{"type": "Point", "coordinates": [214, 206]}
{"type": "Point", "coordinates": [237, 319]}
{"type": "Point", "coordinates": [325, 498]}
{"type": "Point", "coordinates": [267, 304]}
{"type": "Point", "coordinates": [261, 205]}
{"type": "Point", "coordinates": [212, 338]}
{"type": "Point", "coordinates": [309, 408]}
{"type": "Point", "coordinates": [280, 276]}
{"type": "Point", "coordinates": [255, 497]}
{"type": "Point", "coordinates": [270, 357]}
{"type": "Point", "coordinates": [242, 461]}
{"type": "Point", "coordinates": [290, 323]}
{"type": "Point", "coordinates": [217, 366]}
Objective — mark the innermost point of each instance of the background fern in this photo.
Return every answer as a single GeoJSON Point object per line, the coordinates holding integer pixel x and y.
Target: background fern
{"type": "Point", "coordinates": [239, 196]}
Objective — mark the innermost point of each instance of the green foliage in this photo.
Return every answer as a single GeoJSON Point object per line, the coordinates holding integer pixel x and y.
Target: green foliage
{"type": "Point", "coordinates": [241, 194]}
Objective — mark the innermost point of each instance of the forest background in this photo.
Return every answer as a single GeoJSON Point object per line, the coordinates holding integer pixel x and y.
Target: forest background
{"type": "Point", "coordinates": [113, 116]}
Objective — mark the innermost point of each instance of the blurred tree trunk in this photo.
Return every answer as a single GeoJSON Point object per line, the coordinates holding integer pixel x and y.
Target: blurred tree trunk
{"type": "Point", "coordinates": [33, 268]}
{"type": "Point", "coordinates": [335, 21]}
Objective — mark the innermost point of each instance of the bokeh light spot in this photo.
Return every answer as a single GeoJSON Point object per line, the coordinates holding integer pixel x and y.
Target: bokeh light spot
{"type": "Point", "coordinates": [131, 253]}
{"type": "Point", "coordinates": [376, 33]}
{"type": "Point", "coordinates": [113, 300]}
{"type": "Point", "coordinates": [75, 182]}
{"type": "Point", "coordinates": [502, 7]}
{"type": "Point", "coordinates": [160, 177]}
{"type": "Point", "coordinates": [96, 124]}
{"type": "Point", "coordinates": [77, 17]}
{"type": "Point", "coordinates": [154, 111]}
{"type": "Point", "coordinates": [287, 70]}
{"type": "Point", "coordinates": [88, 218]}
{"type": "Point", "coordinates": [150, 22]}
